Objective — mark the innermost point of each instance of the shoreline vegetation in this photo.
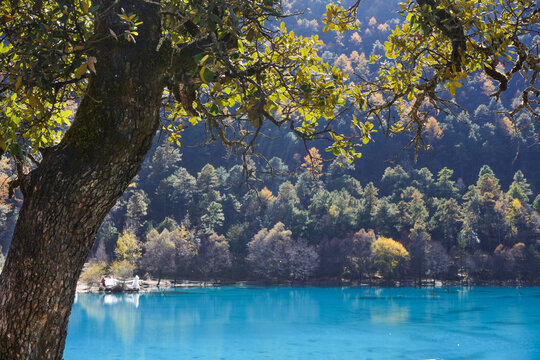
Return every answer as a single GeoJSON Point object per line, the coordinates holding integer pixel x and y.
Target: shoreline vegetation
{"type": "Point", "coordinates": [151, 285]}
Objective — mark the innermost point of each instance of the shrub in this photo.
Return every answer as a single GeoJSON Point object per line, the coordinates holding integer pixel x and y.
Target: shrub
{"type": "Point", "coordinates": [93, 273]}
{"type": "Point", "coordinates": [122, 269]}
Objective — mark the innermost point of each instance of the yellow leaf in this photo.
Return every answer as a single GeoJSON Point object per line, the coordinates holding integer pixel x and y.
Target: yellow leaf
{"type": "Point", "coordinates": [81, 70]}
{"type": "Point", "coordinates": [18, 83]}
{"type": "Point", "coordinates": [35, 103]}
{"type": "Point", "coordinates": [453, 90]}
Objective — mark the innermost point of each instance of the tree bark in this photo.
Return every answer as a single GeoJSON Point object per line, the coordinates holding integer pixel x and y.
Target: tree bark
{"type": "Point", "coordinates": [68, 195]}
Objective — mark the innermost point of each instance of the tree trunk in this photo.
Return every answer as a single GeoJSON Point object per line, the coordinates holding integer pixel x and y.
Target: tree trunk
{"type": "Point", "coordinates": [68, 195]}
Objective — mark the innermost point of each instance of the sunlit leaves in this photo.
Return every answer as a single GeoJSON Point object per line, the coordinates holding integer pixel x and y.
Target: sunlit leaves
{"type": "Point", "coordinates": [435, 51]}
{"type": "Point", "coordinates": [42, 61]}
{"type": "Point", "coordinates": [337, 18]}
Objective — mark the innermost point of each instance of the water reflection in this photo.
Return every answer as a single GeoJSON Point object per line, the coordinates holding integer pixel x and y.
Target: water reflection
{"type": "Point", "coordinates": [307, 323]}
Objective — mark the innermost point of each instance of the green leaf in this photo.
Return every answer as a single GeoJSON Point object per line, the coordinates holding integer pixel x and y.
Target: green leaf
{"type": "Point", "coordinates": [207, 76]}
{"type": "Point", "coordinates": [214, 109]}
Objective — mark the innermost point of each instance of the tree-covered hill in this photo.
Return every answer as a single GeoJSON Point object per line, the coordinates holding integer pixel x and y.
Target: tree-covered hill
{"type": "Point", "coordinates": [467, 205]}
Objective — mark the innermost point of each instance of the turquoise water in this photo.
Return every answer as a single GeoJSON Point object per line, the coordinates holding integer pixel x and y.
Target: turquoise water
{"type": "Point", "coordinates": [308, 323]}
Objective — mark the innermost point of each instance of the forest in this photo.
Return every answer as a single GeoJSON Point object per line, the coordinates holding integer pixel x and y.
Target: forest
{"type": "Point", "coordinates": [319, 222]}
{"type": "Point", "coordinates": [468, 207]}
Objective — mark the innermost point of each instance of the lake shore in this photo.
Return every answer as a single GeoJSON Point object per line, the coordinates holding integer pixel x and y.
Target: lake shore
{"type": "Point", "coordinates": [149, 285]}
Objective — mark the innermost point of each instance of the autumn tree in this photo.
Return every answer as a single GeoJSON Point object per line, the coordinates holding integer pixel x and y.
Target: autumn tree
{"type": "Point", "coordinates": [159, 253]}
{"type": "Point", "coordinates": [274, 254]}
{"type": "Point", "coordinates": [390, 258]}
{"type": "Point", "coordinates": [313, 163]}
{"type": "Point", "coordinates": [186, 246]}
{"type": "Point", "coordinates": [128, 248]}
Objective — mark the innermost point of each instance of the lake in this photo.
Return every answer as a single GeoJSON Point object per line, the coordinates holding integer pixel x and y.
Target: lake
{"type": "Point", "coordinates": [308, 323]}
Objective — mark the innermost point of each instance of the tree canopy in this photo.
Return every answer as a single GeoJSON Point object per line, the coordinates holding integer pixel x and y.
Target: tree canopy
{"type": "Point", "coordinates": [234, 66]}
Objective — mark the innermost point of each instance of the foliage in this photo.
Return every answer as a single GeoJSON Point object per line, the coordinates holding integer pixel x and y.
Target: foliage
{"type": "Point", "coordinates": [324, 204]}
{"type": "Point", "coordinates": [186, 245]}
{"type": "Point", "coordinates": [122, 269]}
{"type": "Point", "coordinates": [389, 257]}
{"type": "Point", "coordinates": [128, 248]}
{"type": "Point", "coordinates": [93, 273]}
{"type": "Point", "coordinates": [214, 256]}
{"type": "Point", "coordinates": [275, 254]}
{"type": "Point", "coordinates": [444, 42]}
{"type": "Point", "coordinates": [358, 262]}
{"type": "Point", "coordinates": [159, 253]}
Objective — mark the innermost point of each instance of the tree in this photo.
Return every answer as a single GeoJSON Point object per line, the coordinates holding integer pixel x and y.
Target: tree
{"type": "Point", "coordinates": [186, 245]}
{"type": "Point", "coordinates": [159, 253]}
{"type": "Point", "coordinates": [302, 259]}
{"type": "Point", "coordinates": [411, 208]}
{"type": "Point", "coordinates": [128, 248]}
{"type": "Point", "coordinates": [437, 260]}
{"type": "Point", "coordinates": [385, 218]}
{"type": "Point", "coordinates": [136, 209]}
{"type": "Point", "coordinates": [423, 181]}
{"type": "Point", "coordinates": [117, 59]}
{"type": "Point", "coordinates": [368, 205]}
{"type": "Point", "coordinates": [536, 204]}
{"type": "Point", "coordinates": [390, 258]}
{"type": "Point", "coordinates": [447, 222]}
{"type": "Point", "coordinates": [358, 262]}
{"type": "Point", "coordinates": [94, 272]}
{"type": "Point", "coordinates": [207, 179]}
{"type": "Point", "coordinates": [213, 218]}
{"type": "Point", "coordinates": [520, 188]}
{"type": "Point", "coordinates": [394, 179]}
{"type": "Point", "coordinates": [165, 157]}
{"type": "Point", "coordinates": [285, 208]}
{"type": "Point", "coordinates": [485, 210]}
{"type": "Point", "coordinates": [178, 189]}
{"type": "Point", "coordinates": [444, 186]}
{"type": "Point", "coordinates": [214, 255]}
{"type": "Point", "coordinates": [274, 254]}
{"type": "Point", "coordinates": [107, 235]}
{"type": "Point", "coordinates": [313, 163]}
{"type": "Point", "coordinates": [419, 242]}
